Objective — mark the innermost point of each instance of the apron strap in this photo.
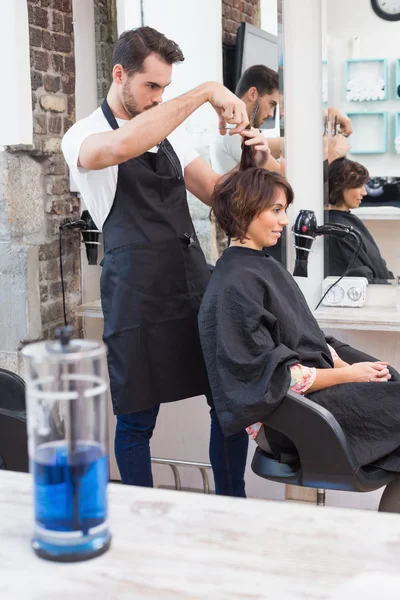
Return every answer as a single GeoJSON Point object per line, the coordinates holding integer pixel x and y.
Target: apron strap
{"type": "Point", "coordinates": [164, 146]}
{"type": "Point", "coordinates": [109, 115]}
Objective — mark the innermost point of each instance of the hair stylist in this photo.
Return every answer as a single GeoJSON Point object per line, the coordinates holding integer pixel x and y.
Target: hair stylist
{"type": "Point", "coordinates": [132, 163]}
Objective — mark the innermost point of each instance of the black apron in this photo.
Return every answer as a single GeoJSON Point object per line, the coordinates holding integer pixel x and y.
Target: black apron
{"type": "Point", "coordinates": [153, 279]}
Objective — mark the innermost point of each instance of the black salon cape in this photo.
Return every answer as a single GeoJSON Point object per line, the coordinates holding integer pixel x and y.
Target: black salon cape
{"type": "Point", "coordinates": [339, 251]}
{"type": "Point", "coordinates": [254, 323]}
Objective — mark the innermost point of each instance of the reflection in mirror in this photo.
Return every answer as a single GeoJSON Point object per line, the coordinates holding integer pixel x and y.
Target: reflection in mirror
{"type": "Point", "coordinates": [363, 189]}
{"type": "Point", "coordinates": [257, 80]}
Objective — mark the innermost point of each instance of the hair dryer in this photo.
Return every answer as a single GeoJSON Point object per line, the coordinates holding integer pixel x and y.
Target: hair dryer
{"type": "Point", "coordinates": [305, 230]}
{"type": "Point", "coordinates": [90, 234]}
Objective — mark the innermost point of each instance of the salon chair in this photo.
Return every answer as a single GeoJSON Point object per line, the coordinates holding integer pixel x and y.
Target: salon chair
{"type": "Point", "coordinates": [13, 436]}
{"type": "Point", "coordinates": [301, 443]}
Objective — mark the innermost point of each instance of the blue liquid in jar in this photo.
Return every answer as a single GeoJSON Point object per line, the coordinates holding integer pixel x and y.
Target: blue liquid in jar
{"type": "Point", "coordinates": [70, 489]}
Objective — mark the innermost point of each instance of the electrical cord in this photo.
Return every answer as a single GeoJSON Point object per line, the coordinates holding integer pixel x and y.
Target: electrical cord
{"type": "Point", "coordinates": [350, 265]}
{"type": "Point", "coordinates": [62, 277]}
{"type": "Point", "coordinates": [67, 224]}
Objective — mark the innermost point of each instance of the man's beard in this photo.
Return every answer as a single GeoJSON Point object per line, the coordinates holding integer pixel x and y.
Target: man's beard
{"type": "Point", "coordinates": [130, 105]}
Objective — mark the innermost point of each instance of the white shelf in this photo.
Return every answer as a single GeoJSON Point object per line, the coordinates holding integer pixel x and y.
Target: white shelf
{"type": "Point", "coordinates": [366, 318]}
{"type": "Point", "coordinates": [90, 309]}
{"type": "Point", "coordinates": [377, 213]}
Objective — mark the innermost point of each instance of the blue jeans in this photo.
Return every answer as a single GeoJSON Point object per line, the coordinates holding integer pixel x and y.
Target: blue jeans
{"type": "Point", "coordinates": [132, 450]}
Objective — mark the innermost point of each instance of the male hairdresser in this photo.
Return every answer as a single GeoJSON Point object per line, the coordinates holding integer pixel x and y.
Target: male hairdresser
{"type": "Point", "coordinates": [259, 89]}
{"type": "Point", "coordinates": [132, 163]}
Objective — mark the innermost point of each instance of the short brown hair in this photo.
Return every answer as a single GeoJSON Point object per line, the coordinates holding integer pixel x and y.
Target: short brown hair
{"type": "Point", "coordinates": [345, 174]}
{"type": "Point", "coordinates": [264, 79]}
{"type": "Point", "coordinates": [243, 195]}
{"type": "Point", "coordinates": [135, 45]}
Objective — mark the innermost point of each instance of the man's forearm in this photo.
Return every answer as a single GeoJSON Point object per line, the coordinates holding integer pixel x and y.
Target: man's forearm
{"type": "Point", "coordinates": [141, 133]}
{"type": "Point", "coordinates": [152, 126]}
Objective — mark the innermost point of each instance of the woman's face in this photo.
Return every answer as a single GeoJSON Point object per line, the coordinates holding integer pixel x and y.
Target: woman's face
{"type": "Point", "coordinates": [353, 196]}
{"type": "Point", "coordinates": [266, 229]}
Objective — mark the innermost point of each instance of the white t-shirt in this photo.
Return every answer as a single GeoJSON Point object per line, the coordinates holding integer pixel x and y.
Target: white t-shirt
{"type": "Point", "coordinates": [225, 152]}
{"type": "Point", "coordinates": [98, 187]}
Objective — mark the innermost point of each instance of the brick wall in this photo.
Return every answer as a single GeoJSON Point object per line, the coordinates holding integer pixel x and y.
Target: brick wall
{"type": "Point", "coordinates": [53, 105]}
{"type": "Point", "coordinates": [106, 35]}
{"type": "Point", "coordinates": [234, 12]}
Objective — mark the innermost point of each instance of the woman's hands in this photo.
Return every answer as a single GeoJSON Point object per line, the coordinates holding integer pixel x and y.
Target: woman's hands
{"type": "Point", "coordinates": [368, 371]}
{"type": "Point", "coordinates": [358, 372]}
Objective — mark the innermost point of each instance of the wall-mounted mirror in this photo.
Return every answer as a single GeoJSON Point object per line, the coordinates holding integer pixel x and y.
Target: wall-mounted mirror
{"type": "Point", "coordinates": [361, 72]}
{"type": "Point", "coordinates": [253, 70]}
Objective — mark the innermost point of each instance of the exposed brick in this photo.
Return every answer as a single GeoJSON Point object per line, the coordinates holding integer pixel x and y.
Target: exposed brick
{"type": "Point", "coordinates": [236, 15]}
{"type": "Point", "coordinates": [71, 105]}
{"type": "Point", "coordinates": [67, 124]}
{"type": "Point", "coordinates": [68, 27]}
{"type": "Point", "coordinates": [36, 80]}
{"type": "Point", "coordinates": [39, 60]}
{"type": "Point", "coordinates": [57, 62]}
{"type": "Point", "coordinates": [62, 5]}
{"type": "Point", "coordinates": [50, 145]}
{"type": "Point", "coordinates": [55, 289]}
{"type": "Point", "coordinates": [30, 14]}
{"type": "Point", "coordinates": [51, 311]}
{"type": "Point", "coordinates": [51, 83]}
{"type": "Point", "coordinates": [48, 251]}
{"type": "Point", "coordinates": [68, 84]}
{"type": "Point", "coordinates": [56, 186]}
{"type": "Point", "coordinates": [69, 64]}
{"type": "Point", "coordinates": [49, 269]}
{"type": "Point", "coordinates": [55, 124]}
{"type": "Point", "coordinates": [48, 42]}
{"type": "Point", "coordinates": [35, 37]}
{"type": "Point", "coordinates": [56, 165]}
{"type": "Point", "coordinates": [39, 124]}
{"type": "Point", "coordinates": [53, 103]}
{"type": "Point", "coordinates": [57, 23]}
{"type": "Point", "coordinates": [44, 292]}
{"type": "Point", "coordinates": [62, 43]}
{"type": "Point", "coordinates": [40, 17]}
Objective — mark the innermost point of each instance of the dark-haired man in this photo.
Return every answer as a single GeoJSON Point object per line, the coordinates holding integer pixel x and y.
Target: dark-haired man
{"type": "Point", "coordinates": [259, 89]}
{"type": "Point", "coordinates": [132, 164]}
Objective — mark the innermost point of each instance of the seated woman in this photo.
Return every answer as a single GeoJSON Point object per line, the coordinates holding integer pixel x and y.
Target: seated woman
{"type": "Point", "coordinates": [259, 337]}
{"type": "Point", "coordinates": [347, 181]}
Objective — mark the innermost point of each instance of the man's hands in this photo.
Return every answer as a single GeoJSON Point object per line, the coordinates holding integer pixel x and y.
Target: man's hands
{"type": "Point", "coordinates": [338, 147]}
{"type": "Point", "coordinates": [230, 109]}
{"type": "Point", "coordinates": [259, 143]}
{"type": "Point", "coordinates": [343, 120]}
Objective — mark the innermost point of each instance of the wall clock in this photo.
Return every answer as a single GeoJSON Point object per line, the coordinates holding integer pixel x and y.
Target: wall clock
{"type": "Point", "coordinates": [387, 9]}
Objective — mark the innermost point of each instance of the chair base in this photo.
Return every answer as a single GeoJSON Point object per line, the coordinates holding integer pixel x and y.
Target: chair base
{"type": "Point", "coordinates": [364, 480]}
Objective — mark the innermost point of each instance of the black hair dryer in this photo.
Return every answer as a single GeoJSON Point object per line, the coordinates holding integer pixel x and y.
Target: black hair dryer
{"type": "Point", "coordinates": [90, 236]}
{"type": "Point", "coordinates": [305, 230]}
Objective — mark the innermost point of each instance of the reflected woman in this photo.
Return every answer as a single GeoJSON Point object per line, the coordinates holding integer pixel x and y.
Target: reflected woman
{"type": "Point", "coordinates": [347, 181]}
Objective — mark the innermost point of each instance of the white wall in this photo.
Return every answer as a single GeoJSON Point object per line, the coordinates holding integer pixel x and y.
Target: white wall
{"type": "Point", "coordinates": [303, 143]}
{"type": "Point", "coordinates": [376, 39]}
{"type": "Point", "coordinates": [16, 96]}
{"type": "Point", "coordinates": [269, 16]}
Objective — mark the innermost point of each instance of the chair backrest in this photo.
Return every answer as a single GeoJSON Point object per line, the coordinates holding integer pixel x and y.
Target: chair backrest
{"type": "Point", "coordinates": [12, 391]}
{"type": "Point", "coordinates": [13, 433]}
{"type": "Point", "coordinates": [318, 438]}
